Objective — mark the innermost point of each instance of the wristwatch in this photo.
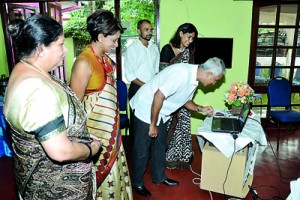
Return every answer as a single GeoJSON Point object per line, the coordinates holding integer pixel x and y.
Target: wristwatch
{"type": "Point", "coordinates": [200, 108]}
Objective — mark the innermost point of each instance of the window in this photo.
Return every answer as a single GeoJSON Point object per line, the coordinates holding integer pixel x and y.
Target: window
{"type": "Point", "coordinates": [275, 47]}
{"type": "Point", "coordinates": [131, 12]}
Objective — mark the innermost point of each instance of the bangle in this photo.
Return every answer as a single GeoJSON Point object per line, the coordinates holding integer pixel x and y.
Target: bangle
{"type": "Point", "coordinates": [199, 108]}
{"type": "Point", "coordinates": [89, 158]}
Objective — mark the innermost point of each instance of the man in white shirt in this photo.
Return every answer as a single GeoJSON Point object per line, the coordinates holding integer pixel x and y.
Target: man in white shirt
{"type": "Point", "coordinates": [141, 61]}
{"type": "Point", "coordinates": [170, 89]}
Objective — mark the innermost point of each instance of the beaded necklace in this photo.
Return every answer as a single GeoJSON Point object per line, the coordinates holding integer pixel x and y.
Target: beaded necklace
{"type": "Point", "coordinates": [80, 115]}
{"type": "Point", "coordinates": [49, 77]}
{"type": "Point", "coordinates": [106, 65]}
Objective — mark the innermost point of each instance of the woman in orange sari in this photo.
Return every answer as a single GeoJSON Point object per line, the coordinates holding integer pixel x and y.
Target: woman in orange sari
{"type": "Point", "coordinates": [94, 83]}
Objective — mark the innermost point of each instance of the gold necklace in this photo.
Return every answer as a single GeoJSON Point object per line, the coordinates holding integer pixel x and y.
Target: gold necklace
{"type": "Point", "coordinates": [180, 50]}
{"type": "Point", "coordinates": [49, 77]}
{"type": "Point", "coordinates": [65, 88]}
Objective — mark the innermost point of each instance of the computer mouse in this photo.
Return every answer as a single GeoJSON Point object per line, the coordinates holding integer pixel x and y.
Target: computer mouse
{"type": "Point", "coordinates": [219, 114]}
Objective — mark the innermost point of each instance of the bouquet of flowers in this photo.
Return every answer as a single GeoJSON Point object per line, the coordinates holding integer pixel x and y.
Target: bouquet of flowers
{"type": "Point", "coordinates": [239, 93]}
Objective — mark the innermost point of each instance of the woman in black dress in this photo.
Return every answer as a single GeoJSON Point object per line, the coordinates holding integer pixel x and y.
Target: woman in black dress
{"type": "Point", "coordinates": [179, 50]}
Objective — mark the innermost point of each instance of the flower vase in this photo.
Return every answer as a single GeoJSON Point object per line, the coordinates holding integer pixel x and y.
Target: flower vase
{"type": "Point", "coordinates": [236, 110]}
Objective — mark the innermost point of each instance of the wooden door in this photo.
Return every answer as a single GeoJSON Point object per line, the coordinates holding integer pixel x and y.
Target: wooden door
{"type": "Point", "coordinates": [14, 11]}
{"type": "Point", "coordinates": [54, 10]}
{"type": "Point", "coordinates": [23, 11]}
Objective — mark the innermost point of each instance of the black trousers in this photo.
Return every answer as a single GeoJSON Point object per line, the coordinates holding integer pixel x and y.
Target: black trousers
{"type": "Point", "coordinates": [145, 146]}
{"type": "Point", "coordinates": [133, 88]}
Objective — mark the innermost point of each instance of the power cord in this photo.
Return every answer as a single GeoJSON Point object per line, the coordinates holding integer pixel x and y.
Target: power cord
{"type": "Point", "coordinates": [253, 190]}
{"type": "Point", "coordinates": [254, 194]}
{"type": "Point", "coordinates": [278, 166]}
{"type": "Point", "coordinates": [196, 181]}
{"type": "Point", "coordinates": [276, 159]}
{"type": "Point", "coordinates": [234, 135]}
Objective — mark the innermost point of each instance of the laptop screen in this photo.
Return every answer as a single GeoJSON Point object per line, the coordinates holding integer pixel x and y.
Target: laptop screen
{"type": "Point", "coordinates": [244, 114]}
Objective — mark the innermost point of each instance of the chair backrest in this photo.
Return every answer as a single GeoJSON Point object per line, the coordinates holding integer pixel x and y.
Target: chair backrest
{"type": "Point", "coordinates": [122, 95]}
{"type": "Point", "coordinates": [279, 92]}
{"type": "Point", "coordinates": [278, 70]}
{"type": "Point", "coordinates": [297, 75]}
{"type": "Point", "coordinates": [258, 70]}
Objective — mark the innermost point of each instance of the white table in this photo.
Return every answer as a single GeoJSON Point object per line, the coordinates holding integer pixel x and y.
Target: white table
{"type": "Point", "coordinates": [224, 142]}
{"type": "Point", "coordinates": [252, 136]}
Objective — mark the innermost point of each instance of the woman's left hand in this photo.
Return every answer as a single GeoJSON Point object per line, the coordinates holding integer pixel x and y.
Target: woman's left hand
{"type": "Point", "coordinates": [95, 137]}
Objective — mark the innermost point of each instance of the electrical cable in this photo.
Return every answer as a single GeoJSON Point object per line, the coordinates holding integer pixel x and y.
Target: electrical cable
{"type": "Point", "coordinates": [278, 170]}
{"type": "Point", "coordinates": [276, 159]}
{"type": "Point", "coordinates": [274, 197]}
{"type": "Point", "coordinates": [227, 172]}
{"type": "Point", "coordinates": [253, 192]}
{"type": "Point", "coordinates": [255, 120]}
{"type": "Point", "coordinates": [195, 181]}
{"type": "Point", "coordinates": [188, 16]}
{"type": "Point", "coordinates": [187, 12]}
{"type": "Point", "coordinates": [198, 183]}
{"type": "Point", "coordinates": [278, 167]}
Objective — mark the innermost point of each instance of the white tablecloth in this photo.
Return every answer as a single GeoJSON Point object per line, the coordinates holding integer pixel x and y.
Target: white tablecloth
{"type": "Point", "coordinates": [252, 133]}
{"type": "Point", "coordinates": [224, 142]}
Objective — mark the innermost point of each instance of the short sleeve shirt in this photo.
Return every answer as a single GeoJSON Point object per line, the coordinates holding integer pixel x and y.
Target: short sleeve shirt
{"type": "Point", "coordinates": [141, 62]}
{"type": "Point", "coordinates": [178, 84]}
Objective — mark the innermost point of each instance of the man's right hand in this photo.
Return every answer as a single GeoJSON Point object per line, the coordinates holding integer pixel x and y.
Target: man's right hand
{"type": "Point", "coordinates": [153, 131]}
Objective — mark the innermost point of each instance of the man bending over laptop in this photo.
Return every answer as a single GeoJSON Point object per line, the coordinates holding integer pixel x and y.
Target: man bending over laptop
{"type": "Point", "coordinates": [170, 89]}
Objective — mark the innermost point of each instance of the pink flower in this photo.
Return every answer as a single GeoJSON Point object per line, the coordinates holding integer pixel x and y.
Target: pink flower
{"type": "Point", "coordinates": [232, 98]}
{"type": "Point", "coordinates": [247, 91]}
{"type": "Point", "coordinates": [239, 93]}
{"type": "Point", "coordinates": [233, 91]}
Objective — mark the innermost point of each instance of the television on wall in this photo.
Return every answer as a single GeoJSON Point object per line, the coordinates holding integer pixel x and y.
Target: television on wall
{"type": "Point", "coordinates": [206, 48]}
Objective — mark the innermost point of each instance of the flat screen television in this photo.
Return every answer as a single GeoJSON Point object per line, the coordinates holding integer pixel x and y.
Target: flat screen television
{"type": "Point", "coordinates": [206, 48]}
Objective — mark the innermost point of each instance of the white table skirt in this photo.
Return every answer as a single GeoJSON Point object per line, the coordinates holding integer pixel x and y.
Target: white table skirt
{"type": "Point", "coordinates": [224, 142]}
{"type": "Point", "coordinates": [252, 133]}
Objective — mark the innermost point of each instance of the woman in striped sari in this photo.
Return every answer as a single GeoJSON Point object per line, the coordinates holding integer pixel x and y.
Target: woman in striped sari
{"type": "Point", "coordinates": [94, 83]}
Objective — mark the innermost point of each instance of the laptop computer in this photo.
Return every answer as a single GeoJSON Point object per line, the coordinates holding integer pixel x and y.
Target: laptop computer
{"type": "Point", "coordinates": [230, 124]}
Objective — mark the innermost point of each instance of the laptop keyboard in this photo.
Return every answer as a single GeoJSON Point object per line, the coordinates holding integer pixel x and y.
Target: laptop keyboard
{"type": "Point", "coordinates": [228, 124]}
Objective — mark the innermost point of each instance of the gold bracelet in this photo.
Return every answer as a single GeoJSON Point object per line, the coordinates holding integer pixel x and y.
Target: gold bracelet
{"type": "Point", "coordinates": [200, 108]}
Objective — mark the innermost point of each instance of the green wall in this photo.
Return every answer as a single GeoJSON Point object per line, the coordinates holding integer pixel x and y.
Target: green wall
{"type": "Point", "coordinates": [213, 18]}
{"type": "Point", "coordinates": [70, 57]}
{"type": "Point", "coordinates": [3, 57]}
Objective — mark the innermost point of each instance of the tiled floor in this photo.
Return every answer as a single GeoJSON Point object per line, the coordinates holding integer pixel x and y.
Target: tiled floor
{"type": "Point", "coordinates": [271, 175]}
{"type": "Point", "coordinates": [7, 183]}
{"type": "Point", "coordinates": [267, 173]}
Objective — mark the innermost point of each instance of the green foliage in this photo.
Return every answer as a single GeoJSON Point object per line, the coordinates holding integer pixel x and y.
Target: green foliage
{"type": "Point", "coordinates": [76, 29]}
{"type": "Point", "coordinates": [134, 10]}
{"type": "Point", "coordinates": [131, 12]}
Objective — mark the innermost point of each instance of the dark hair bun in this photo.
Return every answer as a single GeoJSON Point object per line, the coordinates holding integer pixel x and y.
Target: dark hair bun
{"type": "Point", "coordinates": [15, 27]}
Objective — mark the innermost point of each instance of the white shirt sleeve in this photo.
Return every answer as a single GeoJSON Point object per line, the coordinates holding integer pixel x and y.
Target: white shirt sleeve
{"type": "Point", "coordinates": [141, 62]}
{"type": "Point", "coordinates": [129, 64]}
{"type": "Point", "coordinates": [172, 83]}
{"type": "Point", "coordinates": [157, 62]}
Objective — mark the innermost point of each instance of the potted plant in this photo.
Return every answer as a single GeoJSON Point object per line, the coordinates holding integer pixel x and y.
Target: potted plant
{"type": "Point", "coordinates": [238, 94]}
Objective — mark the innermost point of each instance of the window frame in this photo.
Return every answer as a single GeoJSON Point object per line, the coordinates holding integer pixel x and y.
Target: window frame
{"type": "Point", "coordinates": [257, 4]}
